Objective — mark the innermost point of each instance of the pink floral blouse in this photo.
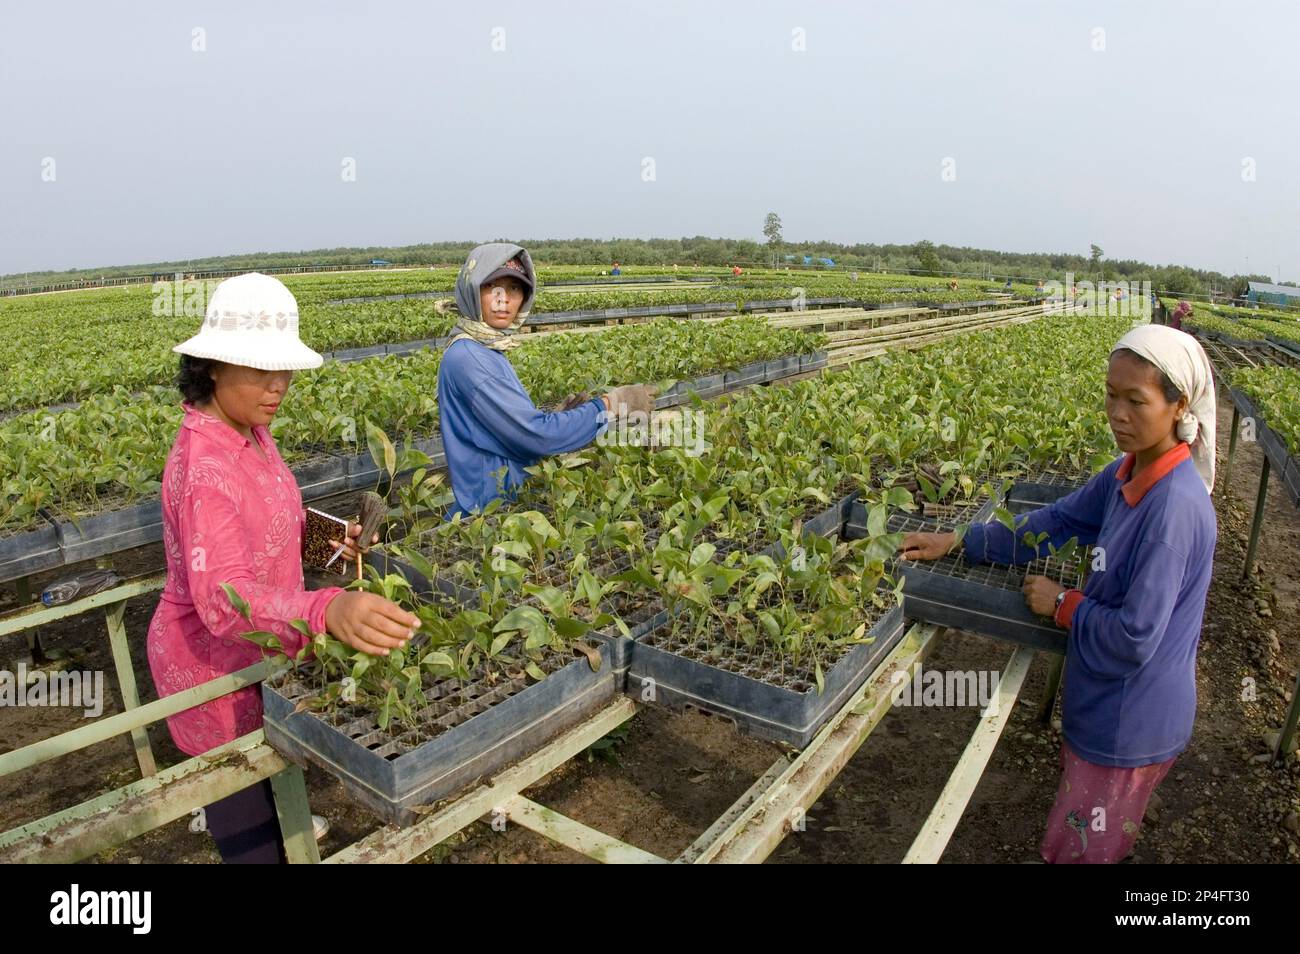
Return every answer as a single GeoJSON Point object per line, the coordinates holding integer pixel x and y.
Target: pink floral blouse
{"type": "Point", "coordinates": [228, 517]}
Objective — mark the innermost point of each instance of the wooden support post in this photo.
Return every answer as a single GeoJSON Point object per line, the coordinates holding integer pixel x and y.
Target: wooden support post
{"type": "Point", "coordinates": [126, 684]}
{"type": "Point", "coordinates": [938, 828]}
{"type": "Point", "coordinates": [130, 811]}
{"type": "Point", "coordinates": [1056, 665]}
{"type": "Point", "coordinates": [290, 790]}
{"type": "Point", "coordinates": [23, 590]}
{"type": "Point", "coordinates": [574, 835]}
{"type": "Point", "coordinates": [1288, 728]}
{"type": "Point", "coordinates": [1232, 451]}
{"type": "Point", "coordinates": [1258, 521]}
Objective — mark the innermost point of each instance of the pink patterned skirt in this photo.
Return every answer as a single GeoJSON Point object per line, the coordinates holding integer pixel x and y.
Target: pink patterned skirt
{"type": "Point", "coordinates": [1098, 810]}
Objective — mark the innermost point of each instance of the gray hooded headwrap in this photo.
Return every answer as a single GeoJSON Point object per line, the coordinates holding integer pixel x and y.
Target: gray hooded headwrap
{"type": "Point", "coordinates": [483, 260]}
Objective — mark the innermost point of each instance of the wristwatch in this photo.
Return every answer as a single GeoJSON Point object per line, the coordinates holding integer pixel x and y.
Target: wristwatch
{"type": "Point", "coordinates": [1060, 598]}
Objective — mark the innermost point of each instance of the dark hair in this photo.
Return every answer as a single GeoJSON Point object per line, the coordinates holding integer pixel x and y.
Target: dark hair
{"type": "Point", "coordinates": [195, 379]}
{"type": "Point", "coordinates": [1171, 391]}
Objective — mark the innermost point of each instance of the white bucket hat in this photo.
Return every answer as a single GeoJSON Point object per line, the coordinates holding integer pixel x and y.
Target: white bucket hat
{"type": "Point", "coordinates": [252, 320]}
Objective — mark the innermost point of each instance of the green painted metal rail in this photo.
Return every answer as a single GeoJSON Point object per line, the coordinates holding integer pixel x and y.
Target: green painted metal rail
{"type": "Point", "coordinates": [113, 601]}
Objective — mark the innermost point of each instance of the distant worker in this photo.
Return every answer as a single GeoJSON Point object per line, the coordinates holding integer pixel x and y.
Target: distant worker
{"type": "Point", "coordinates": [735, 270]}
{"type": "Point", "coordinates": [952, 285]}
{"type": "Point", "coordinates": [616, 270]}
{"type": "Point", "coordinates": [1181, 311]}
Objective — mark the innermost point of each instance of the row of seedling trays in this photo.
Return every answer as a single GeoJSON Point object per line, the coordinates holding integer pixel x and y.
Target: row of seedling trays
{"type": "Point", "coordinates": [1227, 353]}
{"type": "Point", "coordinates": [1284, 464]}
{"type": "Point", "coordinates": [470, 731]}
{"type": "Point", "coordinates": [60, 541]}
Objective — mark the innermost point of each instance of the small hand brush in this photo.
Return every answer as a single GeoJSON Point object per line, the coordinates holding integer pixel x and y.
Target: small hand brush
{"type": "Point", "coordinates": [372, 511]}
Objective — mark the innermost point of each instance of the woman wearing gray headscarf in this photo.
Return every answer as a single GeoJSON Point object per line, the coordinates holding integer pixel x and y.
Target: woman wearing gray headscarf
{"type": "Point", "coordinates": [491, 430]}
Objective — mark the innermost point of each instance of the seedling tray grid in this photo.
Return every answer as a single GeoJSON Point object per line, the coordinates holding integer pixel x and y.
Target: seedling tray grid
{"type": "Point", "coordinates": [1071, 573]}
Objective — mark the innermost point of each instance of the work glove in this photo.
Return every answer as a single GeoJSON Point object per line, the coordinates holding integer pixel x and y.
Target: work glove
{"type": "Point", "coordinates": [631, 398]}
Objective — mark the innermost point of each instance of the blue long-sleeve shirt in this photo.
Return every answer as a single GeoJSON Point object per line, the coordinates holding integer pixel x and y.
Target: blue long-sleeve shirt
{"type": "Point", "coordinates": [1129, 694]}
{"type": "Point", "coordinates": [490, 424]}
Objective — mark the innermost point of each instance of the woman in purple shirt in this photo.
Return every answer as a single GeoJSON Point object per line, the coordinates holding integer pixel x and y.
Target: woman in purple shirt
{"type": "Point", "coordinates": [1129, 695]}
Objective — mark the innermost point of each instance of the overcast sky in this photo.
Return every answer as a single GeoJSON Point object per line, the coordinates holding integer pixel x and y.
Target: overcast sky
{"type": "Point", "coordinates": [161, 151]}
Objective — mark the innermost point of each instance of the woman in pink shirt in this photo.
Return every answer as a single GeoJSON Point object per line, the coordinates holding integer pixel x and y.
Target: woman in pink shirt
{"type": "Point", "coordinates": [232, 514]}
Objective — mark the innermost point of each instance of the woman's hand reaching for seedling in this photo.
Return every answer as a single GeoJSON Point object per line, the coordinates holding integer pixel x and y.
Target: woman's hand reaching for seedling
{"type": "Point", "coordinates": [631, 399]}
{"type": "Point", "coordinates": [928, 546]}
{"type": "Point", "coordinates": [370, 623]}
{"type": "Point", "coordinates": [1040, 594]}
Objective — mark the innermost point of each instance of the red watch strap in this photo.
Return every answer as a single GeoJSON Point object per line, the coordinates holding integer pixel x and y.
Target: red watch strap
{"type": "Point", "coordinates": [1065, 612]}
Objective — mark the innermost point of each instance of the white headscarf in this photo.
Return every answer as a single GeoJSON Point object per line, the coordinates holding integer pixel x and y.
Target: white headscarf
{"type": "Point", "coordinates": [1183, 360]}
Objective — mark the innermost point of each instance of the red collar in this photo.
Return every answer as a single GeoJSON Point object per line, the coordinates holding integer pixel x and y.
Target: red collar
{"type": "Point", "coordinates": [1134, 490]}
{"type": "Point", "coordinates": [214, 428]}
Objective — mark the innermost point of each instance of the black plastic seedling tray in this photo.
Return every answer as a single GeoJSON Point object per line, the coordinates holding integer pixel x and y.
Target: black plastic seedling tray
{"type": "Point", "coordinates": [812, 362]}
{"type": "Point", "coordinates": [779, 368]}
{"type": "Point", "coordinates": [485, 725]}
{"type": "Point", "coordinates": [712, 385]}
{"type": "Point", "coordinates": [1291, 478]}
{"type": "Point", "coordinates": [747, 376]}
{"type": "Point", "coordinates": [1041, 489]}
{"type": "Point", "coordinates": [30, 551]}
{"type": "Point", "coordinates": [948, 514]}
{"type": "Point", "coordinates": [706, 386]}
{"type": "Point", "coordinates": [362, 471]}
{"type": "Point", "coordinates": [620, 646]}
{"type": "Point", "coordinates": [485, 728]}
{"type": "Point", "coordinates": [750, 687]}
{"type": "Point", "coordinates": [360, 354]}
{"type": "Point", "coordinates": [979, 597]}
{"type": "Point", "coordinates": [1291, 348]}
{"type": "Point", "coordinates": [1274, 446]}
{"type": "Point", "coordinates": [323, 475]}
{"type": "Point", "coordinates": [110, 532]}
{"type": "Point", "coordinates": [747, 687]}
